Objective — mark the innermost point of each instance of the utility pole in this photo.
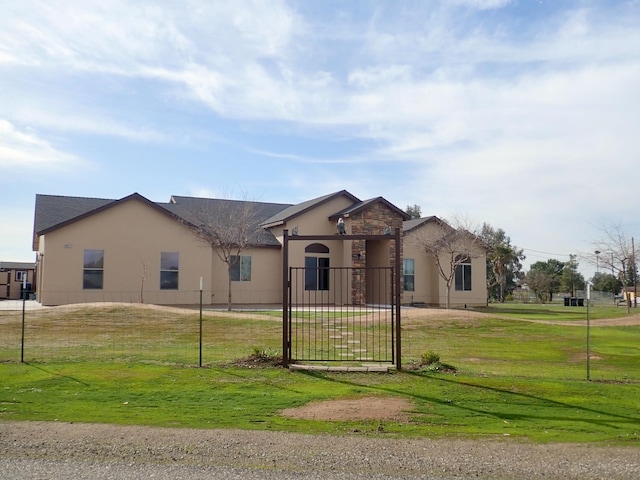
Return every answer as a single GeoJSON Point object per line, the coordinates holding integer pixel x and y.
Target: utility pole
{"type": "Point", "coordinates": [613, 277]}
{"type": "Point", "coordinates": [635, 274]}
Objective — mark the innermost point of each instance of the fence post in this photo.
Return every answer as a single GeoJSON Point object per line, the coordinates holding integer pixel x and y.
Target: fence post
{"type": "Point", "coordinates": [200, 363]}
{"type": "Point", "coordinates": [398, 299]}
{"type": "Point", "coordinates": [285, 299]}
{"type": "Point", "coordinates": [24, 301]}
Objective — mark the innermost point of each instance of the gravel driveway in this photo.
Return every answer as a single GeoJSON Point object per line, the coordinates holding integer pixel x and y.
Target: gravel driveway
{"type": "Point", "coordinates": [78, 451]}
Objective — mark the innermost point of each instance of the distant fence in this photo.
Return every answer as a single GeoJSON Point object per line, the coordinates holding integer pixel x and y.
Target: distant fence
{"type": "Point", "coordinates": [597, 297]}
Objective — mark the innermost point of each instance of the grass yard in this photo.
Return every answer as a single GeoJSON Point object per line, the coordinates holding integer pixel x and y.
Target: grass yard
{"type": "Point", "coordinates": [555, 311]}
{"type": "Point", "coordinates": [521, 373]}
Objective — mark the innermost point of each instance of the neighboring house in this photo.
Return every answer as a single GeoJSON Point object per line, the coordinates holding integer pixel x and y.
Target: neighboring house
{"type": "Point", "coordinates": [136, 250]}
{"type": "Point", "coordinates": [15, 278]}
{"type": "Point", "coordinates": [627, 295]}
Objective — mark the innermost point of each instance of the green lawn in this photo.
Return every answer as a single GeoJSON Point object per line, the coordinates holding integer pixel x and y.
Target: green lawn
{"type": "Point", "coordinates": [555, 311]}
{"type": "Point", "coordinates": [515, 378]}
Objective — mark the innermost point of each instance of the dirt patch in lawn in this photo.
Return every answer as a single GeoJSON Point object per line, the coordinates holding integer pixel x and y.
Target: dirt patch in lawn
{"type": "Point", "coordinates": [364, 408]}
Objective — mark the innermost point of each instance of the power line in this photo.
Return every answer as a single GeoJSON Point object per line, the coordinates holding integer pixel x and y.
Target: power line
{"type": "Point", "coordinates": [546, 253]}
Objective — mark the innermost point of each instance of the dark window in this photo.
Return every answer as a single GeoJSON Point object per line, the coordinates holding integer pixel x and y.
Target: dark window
{"type": "Point", "coordinates": [93, 271]}
{"type": "Point", "coordinates": [316, 274]}
{"type": "Point", "coordinates": [240, 268]}
{"type": "Point", "coordinates": [409, 271]}
{"type": "Point", "coordinates": [316, 248]}
{"type": "Point", "coordinates": [463, 273]}
{"type": "Point", "coordinates": [169, 270]}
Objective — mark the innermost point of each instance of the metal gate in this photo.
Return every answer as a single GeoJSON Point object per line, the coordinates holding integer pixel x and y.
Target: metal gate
{"type": "Point", "coordinates": [341, 314]}
{"type": "Point", "coordinates": [325, 326]}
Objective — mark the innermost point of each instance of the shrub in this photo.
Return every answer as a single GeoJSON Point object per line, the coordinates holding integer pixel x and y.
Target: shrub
{"type": "Point", "coordinates": [429, 358]}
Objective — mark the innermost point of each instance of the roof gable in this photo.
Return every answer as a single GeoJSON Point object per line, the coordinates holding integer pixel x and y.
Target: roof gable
{"type": "Point", "coordinates": [363, 205]}
{"type": "Point", "coordinates": [53, 212]}
{"type": "Point", "coordinates": [294, 210]}
{"type": "Point", "coordinates": [417, 223]}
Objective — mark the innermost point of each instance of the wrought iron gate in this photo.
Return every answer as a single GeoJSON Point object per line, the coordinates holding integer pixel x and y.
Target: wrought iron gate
{"type": "Point", "coordinates": [341, 314]}
{"type": "Point", "coordinates": [325, 326]}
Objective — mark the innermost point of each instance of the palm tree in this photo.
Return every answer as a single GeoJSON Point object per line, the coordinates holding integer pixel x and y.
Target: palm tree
{"type": "Point", "coordinates": [501, 256]}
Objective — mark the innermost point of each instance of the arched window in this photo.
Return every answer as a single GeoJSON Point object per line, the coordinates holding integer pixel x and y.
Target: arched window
{"type": "Point", "coordinates": [316, 248]}
{"type": "Point", "coordinates": [463, 273]}
{"type": "Point", "coordinates": [316, 267]}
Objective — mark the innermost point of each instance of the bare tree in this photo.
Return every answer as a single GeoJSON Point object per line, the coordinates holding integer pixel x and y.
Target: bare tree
{"type": "Point", "coordinates": [540, 283]}
{"type": "Point", "coordinates": [450, 248]}
{"type": "Point", "coordinates": [229, 227]}
{"type": "Point", "coordinates": [615, 252]}
{"type": "Point", "coordinates": [143, 278]}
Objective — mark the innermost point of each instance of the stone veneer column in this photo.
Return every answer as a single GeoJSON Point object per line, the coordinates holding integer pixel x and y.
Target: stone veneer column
{"type": "Point", "coordinates": [371, 221]}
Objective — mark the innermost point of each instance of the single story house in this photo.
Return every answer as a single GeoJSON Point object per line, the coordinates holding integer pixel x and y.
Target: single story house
{"type": "Point", "coordinates": [136, 250]}
{"type": "Point", "coordinates": [16, 279]}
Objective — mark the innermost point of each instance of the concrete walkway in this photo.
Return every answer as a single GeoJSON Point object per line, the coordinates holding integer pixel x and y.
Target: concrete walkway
{"type": "Point", "coordinates": [17, 305]}
{"type": "Point", "coordinates": [375, 367]}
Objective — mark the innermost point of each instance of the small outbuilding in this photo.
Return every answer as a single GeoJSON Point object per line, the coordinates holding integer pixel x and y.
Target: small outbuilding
{"type": "Point", "coordinates": [16, 280]}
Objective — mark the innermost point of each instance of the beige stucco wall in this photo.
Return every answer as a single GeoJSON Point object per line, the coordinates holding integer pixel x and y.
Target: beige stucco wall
{"type": "Point", "coordinates": [430, 287]}
{"type": "Point", "coordinates": [132, 235]}
{"type": "Point", "coordinates": [316, 222]}
{"type": "Point", "coordinates": [265, 286]}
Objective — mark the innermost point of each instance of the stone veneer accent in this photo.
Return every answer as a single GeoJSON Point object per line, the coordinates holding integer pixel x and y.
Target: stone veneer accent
{"type": "Point", "coordinates": [371, 221]}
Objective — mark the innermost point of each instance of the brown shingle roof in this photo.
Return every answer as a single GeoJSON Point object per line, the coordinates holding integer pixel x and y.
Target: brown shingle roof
{"type": "Point", "coordinates": [54, 211]}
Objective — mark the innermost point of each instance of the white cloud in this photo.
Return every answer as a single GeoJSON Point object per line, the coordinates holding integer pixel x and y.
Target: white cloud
{"type": "Point", "coordinates": [224, 54]}
{"type": "Point", "coordinates": [16, 233]}
{"type": "Point", "coordinates": [483, 4]}
{"type": "Point", "coordinates": [24, 150]}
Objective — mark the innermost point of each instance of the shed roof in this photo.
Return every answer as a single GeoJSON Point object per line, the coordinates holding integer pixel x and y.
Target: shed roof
{"type": "Point", "coordinates": [17, 265]}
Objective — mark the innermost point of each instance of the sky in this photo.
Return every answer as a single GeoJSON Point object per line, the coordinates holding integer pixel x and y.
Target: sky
{"type": "Point", "coordinates": [523, 114]}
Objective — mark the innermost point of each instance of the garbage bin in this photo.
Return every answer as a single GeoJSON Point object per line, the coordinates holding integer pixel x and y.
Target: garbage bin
{"type": "Point", "coordinates": [581, 302]}
{"type": "Point", "coordinates": [574, 302]}
{"type": "Point", "coordinates": [566, 301]}
{"type": "Point", "coordinates": [25, 291]}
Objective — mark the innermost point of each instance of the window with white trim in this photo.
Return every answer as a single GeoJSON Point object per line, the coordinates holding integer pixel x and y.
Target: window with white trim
{"type": "Point", "coordinates": [463, 273]}
{"type": "Point", "coordinates": [409, 273]}
{"type": "Point", "coordinates": [93, 271]}
{"type": "Point", "coordinates": [169, 270]}
{"type": "Point", "coordinates": [316, 268]}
